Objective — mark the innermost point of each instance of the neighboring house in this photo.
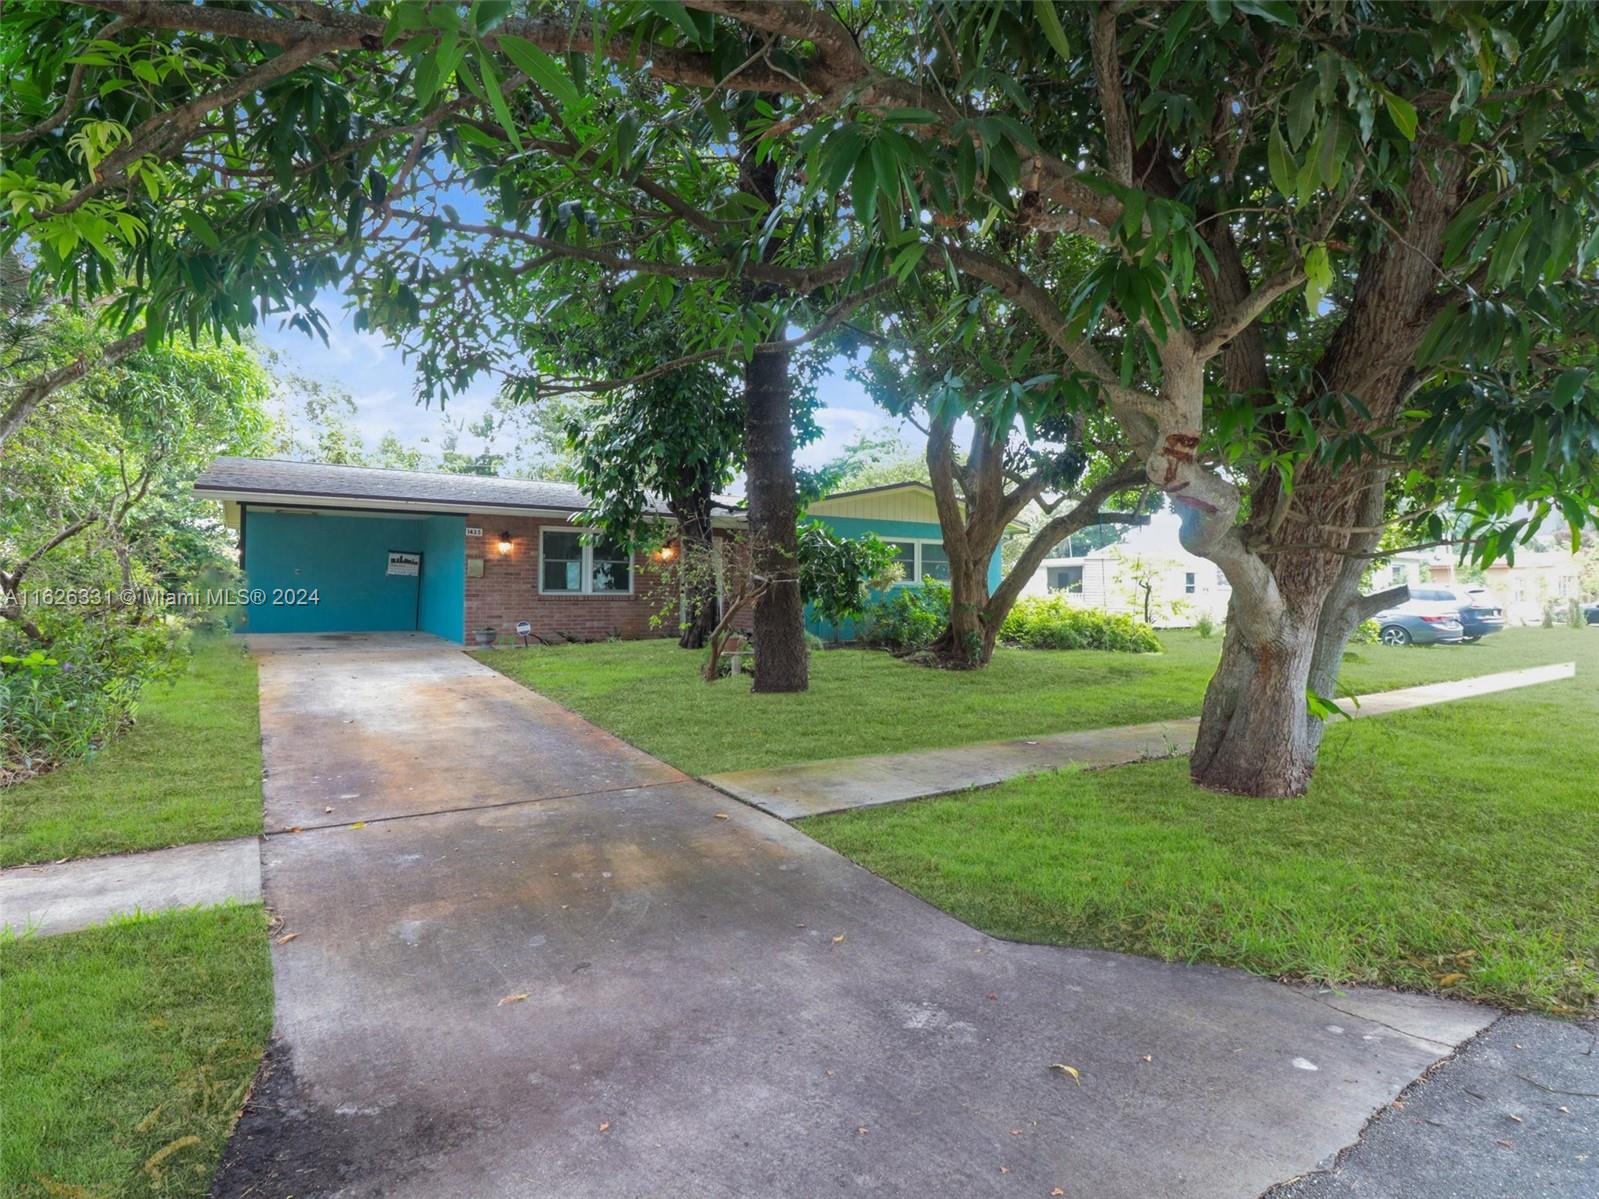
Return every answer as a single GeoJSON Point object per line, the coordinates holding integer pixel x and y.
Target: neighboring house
{"type": "Point", "coordinates": [1525, 588]}
{"type": "Point", "coordinates": [1412, 569]}
{"type": "Point", "coordinates": [906, 516]}
{"type": "Point", "coordinates": [1537, 579]}
{"type": "Point", "coordinates": [354, 549]}
{"type": "Point", "coordinates": [1147, 568]}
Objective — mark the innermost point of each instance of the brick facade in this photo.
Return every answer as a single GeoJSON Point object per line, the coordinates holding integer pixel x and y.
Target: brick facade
{"type": "Point", "coordinates": [508, 590]}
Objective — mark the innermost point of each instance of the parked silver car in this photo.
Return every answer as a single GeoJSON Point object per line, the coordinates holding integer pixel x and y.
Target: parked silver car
{"type": "Point", "coordinates": [1420, 622]}
{"type": "Point", "coordinates": [1480, 613]}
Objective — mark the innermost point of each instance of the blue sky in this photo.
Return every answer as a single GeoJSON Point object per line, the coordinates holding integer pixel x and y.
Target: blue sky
{"type": "Point", "coordinates": [382, 384]}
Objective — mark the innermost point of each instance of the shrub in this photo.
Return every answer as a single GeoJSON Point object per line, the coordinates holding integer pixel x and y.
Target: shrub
{"type": "Point", "coordinates": [1366, 633]}
{"type": "Point", "coordinates": [1576, 617]}
{"type": "Point", "coordinates": [65, 701]}
{"type": "Point", "coordinates": [813, 642]}
{"type": "Point", "coordinates": [908, 618]}
{"type": "Point", "coordinates": [1205, 626]}
{"type": "Point", "coordinates": [1052, 623]}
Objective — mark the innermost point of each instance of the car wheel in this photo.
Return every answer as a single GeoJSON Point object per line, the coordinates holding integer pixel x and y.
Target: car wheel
{"type": "Point", "coordinates": [1395, 635]}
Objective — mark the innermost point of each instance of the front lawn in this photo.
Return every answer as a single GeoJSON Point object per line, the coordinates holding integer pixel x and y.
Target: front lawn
{"type": "Point", "coordinates": [866, 702]}
{"type": "Point", "coordinates": [126, 1052]}
{"type": "Point", "coordinates": [188, 770]}
{"type": "Point", "coordinates": [1452, 848]}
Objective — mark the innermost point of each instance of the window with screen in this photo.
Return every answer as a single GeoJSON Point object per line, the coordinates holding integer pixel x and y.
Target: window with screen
{"type": "Point", "coordinates": [1066, 578]}
{"type": "Point", "coordinates": [935, 562]}
{"type": "Point", "coordinates": [569, 567]}
{"type": "Point", "coordinates": [612, 568]}
{"type": "Point", "coordinates": [905, 555]}
{"type": "Point", "coordinates": [561, 561]}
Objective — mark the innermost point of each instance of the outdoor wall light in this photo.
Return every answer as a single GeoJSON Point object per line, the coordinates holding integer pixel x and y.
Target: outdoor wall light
{"type": "Point", "coordinates": [505, 543]}
{"type": "Point", "coordinates": [667, 553]}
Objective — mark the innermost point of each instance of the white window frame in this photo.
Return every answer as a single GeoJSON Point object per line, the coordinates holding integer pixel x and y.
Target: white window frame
{"type": "Point", "coordinates": [918, 543]}
{"type": "Point", "coordinates": [587, 576]}
{"type": "Point", "coordinates": [1190, 582]}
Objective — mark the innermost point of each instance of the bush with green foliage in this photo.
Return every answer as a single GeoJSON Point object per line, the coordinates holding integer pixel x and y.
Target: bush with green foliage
{"type": "Point", "coordinates": [66, 700]}
{"type": "Point", "coordinates": [1050, 622]}
{"type": "Point", "coordinates": [1205, 626]}
{"type": "Point", "coordinates": [838, 574]}
{"type": "Point", "coordinates": [1367, 632]}
{"type": "Point", "coordinates": [908, 618]}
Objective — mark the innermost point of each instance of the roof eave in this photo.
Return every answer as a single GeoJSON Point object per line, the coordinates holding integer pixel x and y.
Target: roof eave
{"type": "Point", "coordinates": [318, 499]}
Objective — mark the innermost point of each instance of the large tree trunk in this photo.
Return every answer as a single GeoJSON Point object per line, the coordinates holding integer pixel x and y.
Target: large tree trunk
{"type": "Point", "coordinates": [696, 574]}
{"type": "Point", "coordinates": [968, 640]}
{"type": "Point", "coordinates": [781, 659]}
{"type": "Point", "coordinates": [1255, 731]}
{"type": "Point", "coordinates": [1296, 565]}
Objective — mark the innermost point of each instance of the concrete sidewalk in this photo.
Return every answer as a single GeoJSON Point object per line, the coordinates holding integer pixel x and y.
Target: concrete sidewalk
{"type": "Point", "coordinates": [839, 784]}
{"type": "Point", "coordinates": [64, 896]}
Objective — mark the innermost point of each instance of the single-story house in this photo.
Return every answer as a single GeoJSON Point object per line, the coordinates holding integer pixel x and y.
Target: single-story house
{"type": "Point", "coordinates": [1147, 563]}
{"type": "Point", "coordinates": [329, 549]}
{"type": "Point", "coordinates": [355, 549]}
{"type": "Point", "coordinates": [906, 516]}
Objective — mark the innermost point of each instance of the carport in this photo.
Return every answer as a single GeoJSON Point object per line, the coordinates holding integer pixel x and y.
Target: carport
{"type": "Point", "coordinates": [324, 570]}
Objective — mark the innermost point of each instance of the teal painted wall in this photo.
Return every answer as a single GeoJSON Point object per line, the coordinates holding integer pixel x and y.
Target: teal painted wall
{"type": "Point", "coordinates": [444, 577]}
{"type": "Point", "coordinates": [345, 559]}
{"type": "Point", "coordinates": [856, 526]}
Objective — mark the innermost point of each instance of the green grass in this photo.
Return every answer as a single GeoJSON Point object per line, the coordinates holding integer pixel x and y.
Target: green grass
{"type": "Point", "coordinates": [865, 702]}
{"type": "Point", "coordinates": [188, 770]}
{"type": "Point", "coordinates": [1453, 848]}
{"type": "Point", "coordinates": [119, 1043]}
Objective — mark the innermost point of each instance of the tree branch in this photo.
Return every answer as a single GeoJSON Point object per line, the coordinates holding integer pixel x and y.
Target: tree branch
{"type": "Point", "coordinates": [1086, 512]}
{"type": "Point", "coordinates": [30, 394]}
{"type": "Point", "coordinates": [69, 103]}
{"type": "Point", "coordinates": [1367, 606]}
{"type": "Point", "coordinates": [828, 323]}
{"type": "Point", "coordinates": [1235, 319]}
{"type": "Point", "coordinates": [1112, 101]}
{"type": "Point", "coordinates": [796, 280]}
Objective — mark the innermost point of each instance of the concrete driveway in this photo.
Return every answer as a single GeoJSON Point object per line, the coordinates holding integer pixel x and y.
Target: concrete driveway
{"type": "Point", "coordinates": [529, 960]}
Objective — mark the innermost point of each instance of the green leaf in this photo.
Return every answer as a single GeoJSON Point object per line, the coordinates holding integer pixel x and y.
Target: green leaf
{"type": "Point", "coordinates": [1301, 110]}
{"type": "Point", "coordinates": [1323, 708]}
{"type": "Point", "coordinates": [541, 69]}
{"type": "Point", "coordinates": [1329, 158]}
{"type": "Point", "coordinates": [863, 189]}
{"type": "Point", "coordinates": [1279, 164]}
{"type": "Point", "coordinates": [502, 110]}
{"type": "Point", "coordinates": [1305, 183]}
{"type": "Point", "coordinates": [1318, 277]}
{"type": "Point", "coordinates": [1050, 20]}
{"type": "Point", "coordinates": [195, 221]}
{"type": "Point", "coordinates": [1402, 113]}
{"type": "Point", "coordinates": [1568, 386]}
{"type": "Point", "coordinates": [907, 260]}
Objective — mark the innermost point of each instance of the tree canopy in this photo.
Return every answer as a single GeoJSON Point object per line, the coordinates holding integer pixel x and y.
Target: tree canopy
{"type": "Point", "coordinates": [1326, 266]}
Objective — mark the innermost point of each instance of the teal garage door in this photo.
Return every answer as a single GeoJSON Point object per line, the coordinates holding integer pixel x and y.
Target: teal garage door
{"type": "Point", "coordinates": [321, 571]}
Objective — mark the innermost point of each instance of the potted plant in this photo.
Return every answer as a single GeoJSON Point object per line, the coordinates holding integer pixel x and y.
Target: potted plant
{"type": "Point", "coordinates": [486, 635]}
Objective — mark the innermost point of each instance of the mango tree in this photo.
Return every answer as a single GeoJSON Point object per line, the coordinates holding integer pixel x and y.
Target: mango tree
{"type": "Point", "coordinates": [1334, 247]}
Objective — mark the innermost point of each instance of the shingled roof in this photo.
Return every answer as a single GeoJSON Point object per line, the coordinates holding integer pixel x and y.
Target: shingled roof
{"type": "Point", "coordinates": [265, 480]}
